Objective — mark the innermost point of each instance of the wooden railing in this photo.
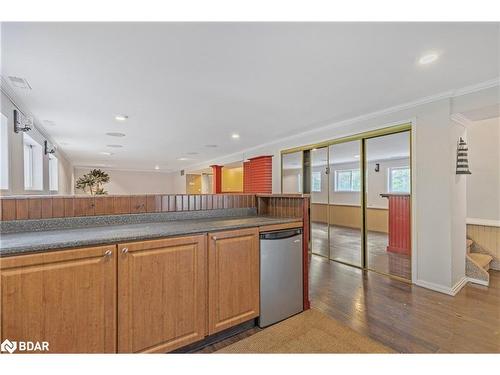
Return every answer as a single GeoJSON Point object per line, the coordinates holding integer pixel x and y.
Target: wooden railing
{"type": "Point", "coordinates": [45, 207]}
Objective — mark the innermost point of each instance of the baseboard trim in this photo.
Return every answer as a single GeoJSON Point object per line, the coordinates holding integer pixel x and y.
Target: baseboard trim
{"type": "Point", "coordinates": [459, 285]}
{"type": "Point", "coordinates": [477, 281]}
{"type": "Point", "coordinates": [443, 289]}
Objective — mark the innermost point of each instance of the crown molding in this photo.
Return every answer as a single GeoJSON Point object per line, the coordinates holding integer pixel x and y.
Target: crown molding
{"type": "Point", "coordinates": [330, 124]}
{"type": "Point", "coordinates": [461, 119]}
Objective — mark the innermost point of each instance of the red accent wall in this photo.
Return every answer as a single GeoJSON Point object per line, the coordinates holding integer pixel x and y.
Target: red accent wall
{"type": "Point", "coordinates": [258, 175]}
{"type": "Point", "coordinates": [216, 179]}
{"type": "Point", "coordinates": [399, 224]}
{"type": "Point", "coordinates": [247, 177]}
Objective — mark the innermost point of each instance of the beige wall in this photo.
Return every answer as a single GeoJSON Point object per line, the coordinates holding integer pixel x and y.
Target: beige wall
{"type": "Point", "coordinates": [133, 182]}
{"type": "Point", "coordinates": [350, 216]}
{"type": "Point", "coordinates": [232, 179]}
{"type": "Point", "coordinates": [16, 158]}
{"type": "Point", "coordinates": [193, 184]}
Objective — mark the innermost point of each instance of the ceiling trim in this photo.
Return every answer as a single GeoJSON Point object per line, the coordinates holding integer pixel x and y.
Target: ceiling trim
{"type": "Point", "coordinates": [461, 119]}
{"type": "Point", "coordinates": [386, 111]}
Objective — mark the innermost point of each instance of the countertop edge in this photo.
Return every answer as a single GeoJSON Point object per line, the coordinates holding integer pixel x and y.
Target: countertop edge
{"type": "Point", "coordinates": [67, 245]}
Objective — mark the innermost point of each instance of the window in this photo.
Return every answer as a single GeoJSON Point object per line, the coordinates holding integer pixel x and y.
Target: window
{"type": "Point", "coordinates": [4, 153]}
{"type": "Point", "coordinates": [316, 182]}
{"type": "Point", "coordinates": [33, 164]}
{"type": "Point", "coordinates": [399, 180]}
{"type": "Point", "coordinates": [347, 180]}
{"type": "Point", "coordinates": [53, 173]}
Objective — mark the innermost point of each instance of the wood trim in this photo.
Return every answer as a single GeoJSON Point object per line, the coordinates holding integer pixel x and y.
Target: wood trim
{"type": "Point", "coordinates": [305, 252]}
{"type": "Point", "coordinates": [54, 256]}
{"type": "Point", "coordinates": [271, 227]}
{"type": "Point", "coordinates": [46, 207]}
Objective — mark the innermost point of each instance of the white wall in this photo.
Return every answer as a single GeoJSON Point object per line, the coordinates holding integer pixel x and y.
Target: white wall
{"type": "Point", "coordinates": [133, 182]}
{"type": "Point", "coordinates": [483, 185]}
{"type": "Point", "coordinates": [458, 211]}
{"type": "Point", "coordinates": [292, 180]}
{"type": "Point", "coordinates": [16, 158]}
{"type": "Point", "coordinates": [433, 175]}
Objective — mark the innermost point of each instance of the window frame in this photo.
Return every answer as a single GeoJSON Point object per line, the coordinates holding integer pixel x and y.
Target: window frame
{"type": "Point", "coordinates": [390, 170]}
{"type": "Point", "coordinates": [53, 179]}
{"type": "Point", "coordinates": [33, 168]}
{"type": "Point", "coordinates": [351, 171]}
{"type": "Point", "coordinates": [313, 175]}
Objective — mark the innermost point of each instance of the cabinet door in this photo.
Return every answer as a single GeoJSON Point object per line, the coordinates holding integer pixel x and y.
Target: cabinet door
{"type": "Point", "coordinates": [161, 294]}
{"type": "Point", "coordinates": [67, 298]}
{"type": "Point", "coordinates": [233, 259]}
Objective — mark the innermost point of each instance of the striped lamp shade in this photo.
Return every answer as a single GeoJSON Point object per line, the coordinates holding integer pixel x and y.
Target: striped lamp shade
{"type": "Point", "coordinates": [462, 160]}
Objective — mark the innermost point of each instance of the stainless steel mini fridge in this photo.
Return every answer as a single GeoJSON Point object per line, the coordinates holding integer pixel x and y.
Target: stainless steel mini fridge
{"type": "Point", "coordinates": [281, 287]}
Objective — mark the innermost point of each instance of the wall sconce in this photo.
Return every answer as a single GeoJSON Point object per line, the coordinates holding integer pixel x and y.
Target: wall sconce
{"type": "Point", "coordinates": [22, 123]}
{"type": "Point", "coordinates": [47, 149]}
{"type": "Point", "coordinates": [377, 167]}
{"type": "Point", "coordinates": [462, 160]}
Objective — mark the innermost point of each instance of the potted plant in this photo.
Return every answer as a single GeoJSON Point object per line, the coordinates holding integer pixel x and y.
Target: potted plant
{"type": "Point", "coordinates": [92, 182]}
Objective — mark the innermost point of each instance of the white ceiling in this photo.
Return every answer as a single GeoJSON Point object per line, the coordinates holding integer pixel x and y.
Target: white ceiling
{"type": "Point", "coordinates": [187, 85]}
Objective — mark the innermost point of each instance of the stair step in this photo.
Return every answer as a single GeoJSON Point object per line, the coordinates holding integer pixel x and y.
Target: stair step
{"type": "Point", "coordinates": [469, 244]}
{"type": "Point", "coordinates": [482, 259]}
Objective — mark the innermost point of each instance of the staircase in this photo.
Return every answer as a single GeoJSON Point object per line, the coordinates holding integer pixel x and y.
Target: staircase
{"type": "Point", "coordinates": [477, 265]}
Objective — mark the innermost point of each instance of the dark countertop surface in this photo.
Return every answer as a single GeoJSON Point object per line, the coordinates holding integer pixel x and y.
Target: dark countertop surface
{"type": "Point", "coordinates": [29, 242]}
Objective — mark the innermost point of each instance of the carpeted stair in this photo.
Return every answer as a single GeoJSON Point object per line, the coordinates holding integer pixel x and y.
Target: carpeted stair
{"type": "Point", "coordinates": [477, 265]}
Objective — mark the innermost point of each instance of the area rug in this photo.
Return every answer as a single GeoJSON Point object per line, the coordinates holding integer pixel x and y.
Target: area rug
{"type": "Point", "coordinates": [307, 332]}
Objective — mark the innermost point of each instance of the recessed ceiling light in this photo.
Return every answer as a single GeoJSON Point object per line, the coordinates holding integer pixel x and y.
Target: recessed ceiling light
{"type": "Point", "coordinates": [114, 146]}
{"type": "Point", "coordinates": [182, 159]}
{"type": "Point", "coordinates": [106, 153]}
{"type": "Point", "coordinates": [121, 117]}
{"type": "Point", "coordinates": [211, 146]}
{"type": "Point", "coordinates": [428, 58]}
{"type": "Point", "coordinates": [113, 134]}
{"type": "Point", "coordinates": [356, 156]}
{"type": "Point", "coordinates": [235, 136]}
{"type": "Point", "coordinates": [157, 167]}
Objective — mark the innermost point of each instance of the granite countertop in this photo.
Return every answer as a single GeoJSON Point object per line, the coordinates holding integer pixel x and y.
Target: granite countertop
{"type": "Point", "coordinates": [29, 242]}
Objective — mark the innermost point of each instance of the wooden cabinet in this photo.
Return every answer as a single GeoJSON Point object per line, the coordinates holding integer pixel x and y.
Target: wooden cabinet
{"type": "Point", "coordinates": [149, 296]}
{"type": "Point", "coordinates": [161, 294]}
{"type": "Point", "coordinates": [233, 286]}
{"type": "Point", "coordinates": [67, 298]}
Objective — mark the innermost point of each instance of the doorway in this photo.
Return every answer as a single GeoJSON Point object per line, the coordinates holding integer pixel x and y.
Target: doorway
{"type": "Point", "coordinates": [360, 190]}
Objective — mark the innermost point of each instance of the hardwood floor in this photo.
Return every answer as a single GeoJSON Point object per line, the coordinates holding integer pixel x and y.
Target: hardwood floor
{"type": "Point", "coordinates": [402, 316]}
{"type": "Point", "coordinates": [345, 246]}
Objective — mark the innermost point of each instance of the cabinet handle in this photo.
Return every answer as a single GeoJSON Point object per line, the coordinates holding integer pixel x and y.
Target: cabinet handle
{"type": "Point", "coordinates": [125, 250]}
{"type": "Point", "coordinates": [108, 253]}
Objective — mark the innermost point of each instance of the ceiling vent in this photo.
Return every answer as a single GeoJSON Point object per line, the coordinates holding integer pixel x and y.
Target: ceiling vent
{"type": "Point", "coordinates": [19, 83]}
